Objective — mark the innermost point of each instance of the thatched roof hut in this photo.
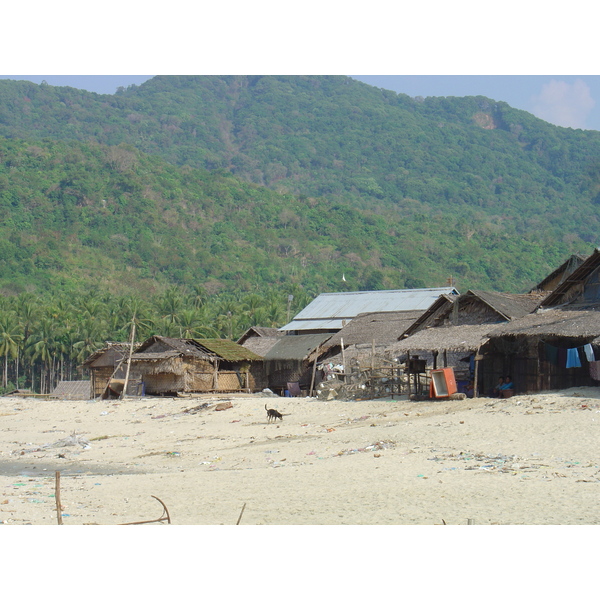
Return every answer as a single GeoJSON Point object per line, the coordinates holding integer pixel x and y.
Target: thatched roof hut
{"type": "Point", "coordinates": [106, 364]}
{"type": "Point", "coordinates": [532, 347]}
{"type": "Point", "coordinates": [171, 365]}
{"type": "Point", "coordinates": [476, 307]}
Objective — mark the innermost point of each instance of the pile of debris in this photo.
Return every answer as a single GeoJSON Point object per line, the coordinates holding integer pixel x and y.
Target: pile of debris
{"type": "Point", "coordinates": [363, 384]}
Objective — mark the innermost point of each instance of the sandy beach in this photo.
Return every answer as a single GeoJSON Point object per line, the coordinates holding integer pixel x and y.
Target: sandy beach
{"type": "Point", "coordinates": [525, 460]}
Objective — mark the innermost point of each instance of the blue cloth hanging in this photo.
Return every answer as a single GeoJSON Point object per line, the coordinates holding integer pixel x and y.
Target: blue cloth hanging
{"type": "Point", "coordinates": [589, 352]}
{"type": "Point", "coordinates": [573, 358]}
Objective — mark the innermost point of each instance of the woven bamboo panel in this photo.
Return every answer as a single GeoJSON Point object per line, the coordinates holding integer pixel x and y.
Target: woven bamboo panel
{"type": "Point", "coordinates": [101, 377]}
{"type": "Point", "coordinates": [229, 381]}
{"type": "Point", "coordinates": [163, 383]}
{"type": "Point", "coordinates": [199, 382]}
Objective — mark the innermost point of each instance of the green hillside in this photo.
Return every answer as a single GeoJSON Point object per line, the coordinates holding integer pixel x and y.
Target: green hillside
{"type": "Point", "coordinates": [389, 190]}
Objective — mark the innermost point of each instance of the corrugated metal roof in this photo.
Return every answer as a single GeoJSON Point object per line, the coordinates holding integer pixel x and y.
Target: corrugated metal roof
{"type": "Point", "coordinates": [327, 311]}
{"type": "Point", "coordinates": [315, 324]}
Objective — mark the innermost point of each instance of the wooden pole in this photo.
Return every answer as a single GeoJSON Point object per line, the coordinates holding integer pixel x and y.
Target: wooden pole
{"type": "Point", "coordinates": [124, 391]}
{"type": "Point", "coordinates": [57, 497]}
{"type": "Point", "coordinates": [343, 358]}
{"type": "Point", "coordinates": [241, 513]}
{"type": "Point", "coordinates": [372, 355]}
{"type": "Point", "coordinates": [476, 375]}
{"type": "Point", "coordinates": [408, 370]}
{"type": "Point", "coordinates": [314, 372]}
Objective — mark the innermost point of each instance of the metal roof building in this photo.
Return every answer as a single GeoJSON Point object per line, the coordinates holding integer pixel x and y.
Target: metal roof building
{"type": "Point", "coordinates": [330, 312]}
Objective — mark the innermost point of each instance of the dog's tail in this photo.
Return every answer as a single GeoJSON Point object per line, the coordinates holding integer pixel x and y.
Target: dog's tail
{"type": "Point", "coordinates": [266, 408]}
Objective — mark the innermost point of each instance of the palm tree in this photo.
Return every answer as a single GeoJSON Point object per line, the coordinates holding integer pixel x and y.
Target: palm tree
{"type": "Point", "coordinates": [41, 347]}
{"type": "Point", "coordinates": [170, 304]}
{"type": "Point", "coordinates": [9, 342]}
{"type": "Point", "coordinates": [89, 340]}
{"type": "Point", "coordinates": [133, 309]}
{"type": "Point", "coordinates": [189, 323]}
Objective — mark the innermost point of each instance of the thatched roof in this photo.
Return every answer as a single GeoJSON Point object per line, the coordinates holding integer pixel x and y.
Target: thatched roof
{"type": "Point", "coordinates": [260, 339]}
{"type": "Point", "coordinates": [158, 346]}
{"type": "Point", "coordinates": [509, 306]}
{"type": "Point", "coordinates": [454, 338]}
{"type": "Point", "coordinates": [556, 323]}
{"type": "Point", "coordinates": [227, 350]}
{"type": "Point", "coordinates": [560, 274]}
{"type": "Point", "coordinates": [109, 355]}
{"type": "Point", "coordinates": [381, 327]}
{"type": "Point", "coordinates": [475, 307]}
{"type": "Point", "coordinates": [438, 308]}
{"type": "Point", "coordinates": [260, 345]}
{"type": "Point", "coordinates": [259, 332]}
{"type": "Point", "coordinates": [571, 289]}
{"type": "Point", "coordinates": [154, 356]}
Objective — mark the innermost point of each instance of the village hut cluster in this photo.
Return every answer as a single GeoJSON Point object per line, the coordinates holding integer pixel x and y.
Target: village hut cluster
{"type": "Point", "coordinates": [375, 344]}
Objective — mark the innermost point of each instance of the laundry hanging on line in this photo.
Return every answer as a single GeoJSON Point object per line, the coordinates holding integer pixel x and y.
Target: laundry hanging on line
{"type": "Point", "coordinates": [569, 357]}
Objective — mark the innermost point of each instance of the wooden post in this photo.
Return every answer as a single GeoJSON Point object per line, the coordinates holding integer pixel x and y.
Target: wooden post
{"type": "Point", "coordinates": [124, 391]}
{"type": "Point", "coordinates": [372, 355]}
{"type": "Point", "coordinates": [57, 497]}
{"type": "Point", "coordinates": [241, 513]}
{"type": "Point", "coordinates": [314, 372]}
{"type": "Point", "coordinates": [343, 358]}
{"type": "Point", "coordinates": [476, 375]}
{"type": "Point", "coordinates": [455, 312]}
{"type": "Point", "coordinates": [408, 370]}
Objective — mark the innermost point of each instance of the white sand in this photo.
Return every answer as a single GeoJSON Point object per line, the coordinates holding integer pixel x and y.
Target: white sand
{"type": "Point", "coordinates": [524, 460]}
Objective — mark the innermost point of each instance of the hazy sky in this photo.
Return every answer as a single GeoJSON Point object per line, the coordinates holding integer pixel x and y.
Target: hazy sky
{"type": "Point", "coordinates": [568, 101]}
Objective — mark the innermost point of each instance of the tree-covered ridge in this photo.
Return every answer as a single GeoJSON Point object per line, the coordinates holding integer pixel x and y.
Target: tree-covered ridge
{"type": "Point", "coordinates": [393, 190]}
{"type": "Point", "coordinates": [80, 215]}
{"type": "Point", "coordinates": [324, 136]}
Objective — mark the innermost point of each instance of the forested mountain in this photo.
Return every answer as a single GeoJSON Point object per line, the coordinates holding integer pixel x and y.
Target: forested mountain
{"type": "Point", "coordinates": [389, 190]}
{"type": "Point", "coordinates": [195, 206]}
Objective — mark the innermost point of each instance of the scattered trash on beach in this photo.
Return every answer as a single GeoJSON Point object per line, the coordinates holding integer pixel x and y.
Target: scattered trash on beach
{"type": "Point", "coordinates": [72, 440]}
{"type": "Point", "coordinates": [196, 409]}
{"type": "Point", "coordinates": [377, 446]}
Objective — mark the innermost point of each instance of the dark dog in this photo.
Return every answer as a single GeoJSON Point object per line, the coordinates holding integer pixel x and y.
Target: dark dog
{"type": "Point", "coordinates": [273, 415]}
